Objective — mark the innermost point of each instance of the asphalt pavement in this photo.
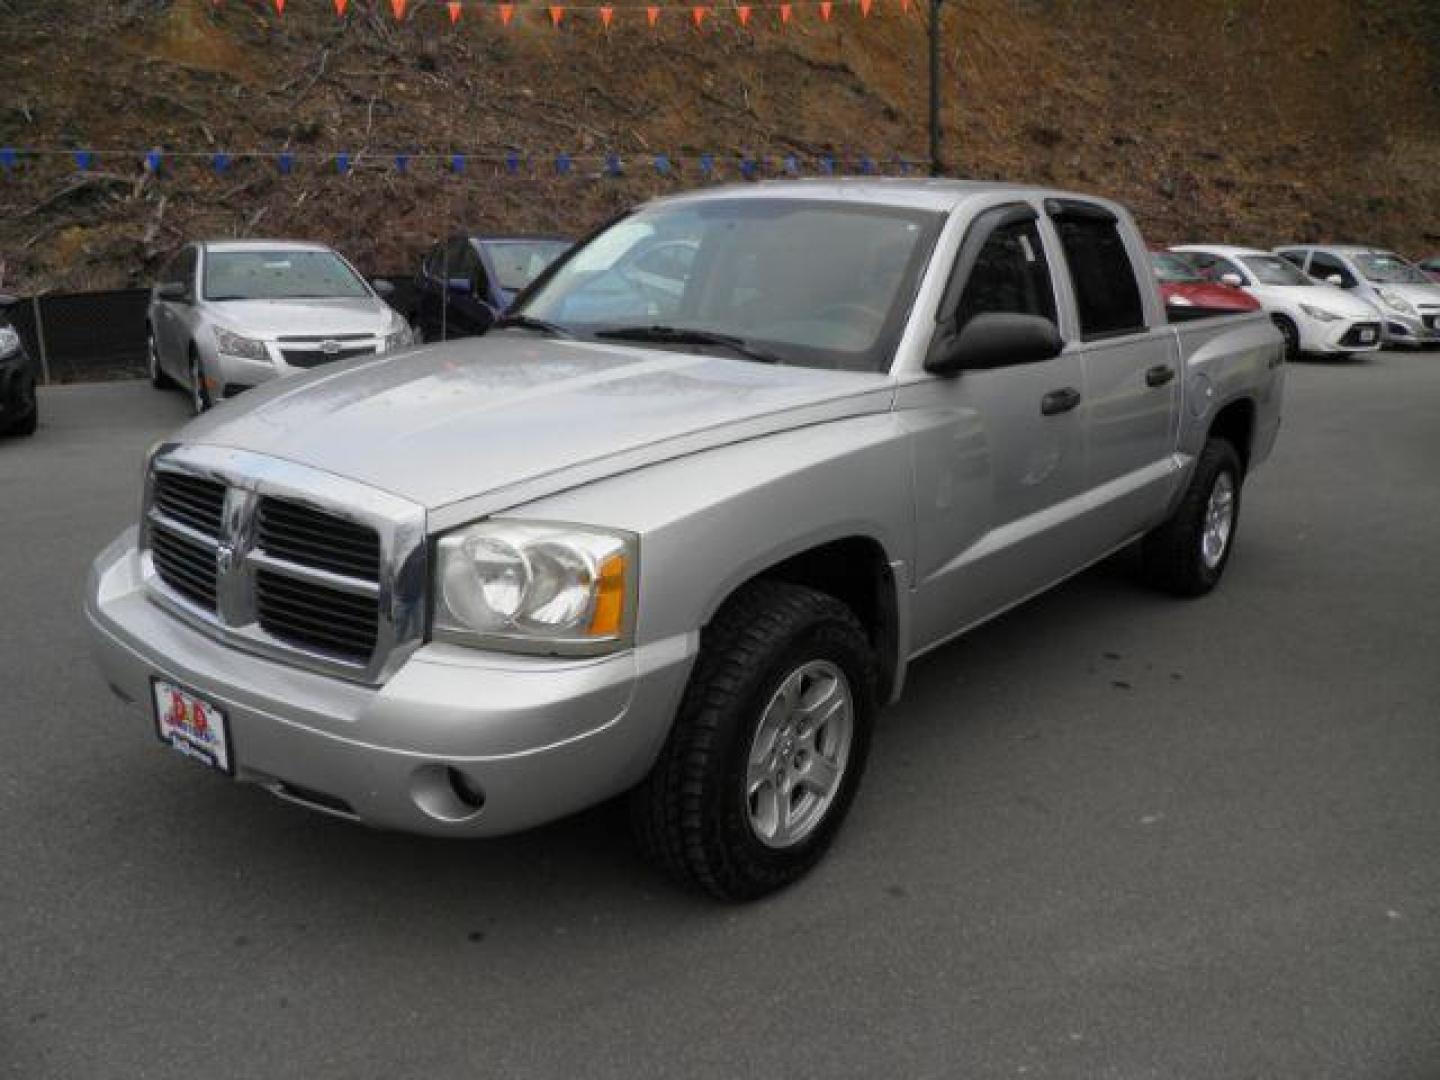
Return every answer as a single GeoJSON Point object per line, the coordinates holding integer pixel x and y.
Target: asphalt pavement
{"type": "Point", "coordinates": [1108, 835]}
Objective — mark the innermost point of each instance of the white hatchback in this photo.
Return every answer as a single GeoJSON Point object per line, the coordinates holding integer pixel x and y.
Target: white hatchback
{"type": "Point", "coordinates": [1316, 318]}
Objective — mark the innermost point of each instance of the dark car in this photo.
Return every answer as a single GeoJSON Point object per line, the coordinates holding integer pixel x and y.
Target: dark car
{"type": "Point", "coordinates": [19, 411]}
{"type": "Point", "coordinates": [466, 282]}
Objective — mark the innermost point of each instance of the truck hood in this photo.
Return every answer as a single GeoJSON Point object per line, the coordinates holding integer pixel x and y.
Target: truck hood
{"type": "Point", "coordinates": [515, 417]}
{"type": "Point", "coordinates": [335, 316]}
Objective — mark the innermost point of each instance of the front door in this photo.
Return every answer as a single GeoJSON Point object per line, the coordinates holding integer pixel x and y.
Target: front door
{"type": "Point", "coordinates": [998, 454]}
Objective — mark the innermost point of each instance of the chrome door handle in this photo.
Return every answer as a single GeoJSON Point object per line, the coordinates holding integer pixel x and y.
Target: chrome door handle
{"type": "Point", "coordinates": [1159, 375]}
{"type": "Point", "coordinates": [1059, 401]}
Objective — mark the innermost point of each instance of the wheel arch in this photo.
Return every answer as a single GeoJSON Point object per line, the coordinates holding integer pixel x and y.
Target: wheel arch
{"type": "Point", "coordinates": [1235, 422]}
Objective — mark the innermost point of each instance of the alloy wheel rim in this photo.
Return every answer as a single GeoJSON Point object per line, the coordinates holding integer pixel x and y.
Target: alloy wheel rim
{"type": "Point", "coordinates": [197, 388]}
{"type": "Point", "coordinates": [799, 754]}
{"type": "Point", "coordinates": [1219, 521]}
{"type": "Point", "coordinates": [151, 356]}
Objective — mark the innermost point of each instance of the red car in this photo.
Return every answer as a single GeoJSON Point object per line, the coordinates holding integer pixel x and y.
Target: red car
{"type": "Point", "coordinates": [1431, 266]}
{"type": "Point", "coordinates": [1190, 295]}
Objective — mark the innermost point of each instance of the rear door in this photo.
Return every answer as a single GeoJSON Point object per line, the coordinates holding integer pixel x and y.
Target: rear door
{"type": "Point", "coordinates": [1130, 360]}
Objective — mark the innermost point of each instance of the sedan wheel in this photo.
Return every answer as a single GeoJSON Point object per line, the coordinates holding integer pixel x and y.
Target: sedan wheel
{"type": "Point", "coordinates": [199, 395]}
{"type": "Point", "coordinates": [158, 378]}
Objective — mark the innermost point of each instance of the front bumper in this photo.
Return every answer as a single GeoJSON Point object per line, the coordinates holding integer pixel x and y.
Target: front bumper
{"type": "Point", "coordinates": [539, 737]}
{"type": "Point", "coordinates": [1423, 329]}
{"type": "Point", "coordinates": [1340, 336]}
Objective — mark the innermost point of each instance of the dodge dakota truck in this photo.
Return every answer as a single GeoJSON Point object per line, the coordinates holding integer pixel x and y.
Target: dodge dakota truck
{"type": "Point", "coordinates": [677, 534]}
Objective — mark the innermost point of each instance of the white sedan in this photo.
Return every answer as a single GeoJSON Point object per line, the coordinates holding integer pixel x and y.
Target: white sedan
{"type": "Point", "coordinates": [1316, 318]}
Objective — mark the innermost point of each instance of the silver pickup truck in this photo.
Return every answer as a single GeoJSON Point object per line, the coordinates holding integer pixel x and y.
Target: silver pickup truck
{"type": "Point", "coordinates": [678, 524]}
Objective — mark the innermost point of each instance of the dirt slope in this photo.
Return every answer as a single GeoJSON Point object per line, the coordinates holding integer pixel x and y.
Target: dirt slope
{"type": "Point", "coordinates": [1253, 120]}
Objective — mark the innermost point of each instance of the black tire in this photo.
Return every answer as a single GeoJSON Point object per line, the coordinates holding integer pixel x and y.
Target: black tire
{"type": "Point", "coordinates": [692, 815]}
{"type": "Point", "coordinates": [1291, 333]}
{"type": "Point", "coordinates": [30, 424]}
{"type": "Point", "coordinates": [199, 393]}
{"type": "Point", "coordinates": [1174, 554]}
{"type": "Point", "coordinates": [158, 379]}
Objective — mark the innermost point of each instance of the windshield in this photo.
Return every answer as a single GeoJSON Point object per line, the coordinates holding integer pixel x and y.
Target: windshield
{"type": "Point", "coordinates": [1273, 270]}
{"type": "Point", "coordinates": [815, 283]}
{"type": "Point", "coordinates": [519, 262]}
{"type": "Point", "coordinates": [279, 275]}
{"type": "Point", "coordinates": [1383, 268]}
{"type": "Point", "coordinates": [1173, 270]}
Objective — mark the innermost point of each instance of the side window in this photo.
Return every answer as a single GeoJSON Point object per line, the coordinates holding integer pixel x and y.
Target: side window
{"type": "Point", "coordinates": [1010, 275]}
{"type": "Point", "coordinates": [1106, 292]}
{"type": "Point", "coordinates": [1294, 256]}
{"type": "Point", "coordinates": [472, 270]}
{"type": "Point", "coordinates": [1215, 267]}
{"type": "Point", "coordinates": [181, 270]}
{"type": "Point", "coordinates": [1323, 266]}
{"type": "Point", "coordinates": [453, 262]}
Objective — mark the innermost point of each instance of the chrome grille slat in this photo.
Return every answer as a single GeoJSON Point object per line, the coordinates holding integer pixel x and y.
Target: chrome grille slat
{"type": "Point", "coordinates": [314, 538]}
{"type": "Point", "coordinates": [185, 566]}
{"type": "Point", "coordinates": [194, 501]}
{"type": "Point", "coordinates": [311, 619]}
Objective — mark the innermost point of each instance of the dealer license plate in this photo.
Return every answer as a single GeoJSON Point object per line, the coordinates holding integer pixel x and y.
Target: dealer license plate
{"type": "Point", "coordinates": [1367, 336]}
{"type": "Point", "coordinates": [192, 726]}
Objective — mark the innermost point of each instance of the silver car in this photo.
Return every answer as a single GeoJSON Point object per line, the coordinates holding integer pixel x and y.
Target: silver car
{"type": "Point", "coordinates": [1407, 299]}
{"type": "Point", "coordinates": [229, 315]}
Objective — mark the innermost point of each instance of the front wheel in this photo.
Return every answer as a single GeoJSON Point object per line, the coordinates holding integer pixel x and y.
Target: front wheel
{"type": "Point", "coordinates": [1187, 554]}
{"type": "Point", "coordinates": [199, 392]}
{"type": "Point", "coordinates": [158, 379]}
{"type": "Point", "coordinates": [767, 748]}
{"type": "Point", "coordinates": [1291, 333]}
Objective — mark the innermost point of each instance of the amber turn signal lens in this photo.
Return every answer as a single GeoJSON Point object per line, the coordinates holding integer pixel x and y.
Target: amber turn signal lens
{"type": "Point", "coordinates": [609, 613]}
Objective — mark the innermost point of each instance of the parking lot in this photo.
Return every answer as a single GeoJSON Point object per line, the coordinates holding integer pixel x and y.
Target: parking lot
{"type": "Point", "coordinates": [1108, 835]}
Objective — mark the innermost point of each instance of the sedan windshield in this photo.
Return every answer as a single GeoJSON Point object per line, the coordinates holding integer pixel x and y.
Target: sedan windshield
{"type": "Point", "coordinates": [279, 275]}
{"type": "Point", "coordinates": [519, 262]}
{"type": "Point", "coordinates": [1383, 268]}
{"type": "Point", "coordinates": [1174, 270]}
{"type": "Point", "coordinates": [1273, 270]}
{"type": "Point", "coordinates": [808, 282]}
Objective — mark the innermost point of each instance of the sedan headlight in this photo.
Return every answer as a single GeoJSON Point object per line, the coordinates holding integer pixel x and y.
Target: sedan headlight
{"type": "Point", "coordinates": [1398, 302]}
{"type": "Point", "coordinates": [9, 341]}
{"type": "Point", "coordinates": [243, 348]}
{"type": "Point", "coordinates": [1320, 313]}
{"type": "Point", "coordinates": [536, 587]}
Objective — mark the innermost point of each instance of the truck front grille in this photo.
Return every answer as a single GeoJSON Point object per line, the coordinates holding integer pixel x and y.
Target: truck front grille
{"type": "Point", "coordinates": [286, 561]}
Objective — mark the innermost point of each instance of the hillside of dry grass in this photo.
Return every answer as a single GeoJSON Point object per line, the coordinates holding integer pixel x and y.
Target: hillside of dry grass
{"type": "Point", "coordinates": [1258, 121]}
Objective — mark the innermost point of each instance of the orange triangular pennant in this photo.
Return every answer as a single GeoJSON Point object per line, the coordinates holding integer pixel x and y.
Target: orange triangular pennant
{"type": "Point", "coordinates": [557, 12]}
{"type": "Point", "coordinates": [454, 6]}
{"type": "Point", "coordinates": [865, 8]}
{"type": "Point", "coordinates": [340, 7]}
{"type": "Point", "coordinates": [904, 7]}
{"type": "Point", "coordinates": [743, 14]}
{"type": "Point", "coordinates": [825, 7]}
{"type": "Point", "coordinates": [784, 14]}
{"type": "Point", "coordinates": [652, 16]}
{"type": "Point", "coordinates": [699, 13]}
{"type": "Point", "coordinates": [606, 15]}
{"type": "Point", "coordinates": [507, 12]}
{"type": "Point", "coordinates": [398, 6]}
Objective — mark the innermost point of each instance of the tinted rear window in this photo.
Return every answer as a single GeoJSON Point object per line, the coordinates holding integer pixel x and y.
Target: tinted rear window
{"type": "Point", "coordinates": [1106, 292]}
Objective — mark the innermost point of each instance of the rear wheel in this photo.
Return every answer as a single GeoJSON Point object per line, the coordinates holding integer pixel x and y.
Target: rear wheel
{"type": "Point", "coordinates": [767, 748]}
{"type": "Point", "coordinates": [1187, 555]}
{"type": "Point", "coordinates": [1291, 333]}
{"type": "Point", "coordinates": [199, 392]}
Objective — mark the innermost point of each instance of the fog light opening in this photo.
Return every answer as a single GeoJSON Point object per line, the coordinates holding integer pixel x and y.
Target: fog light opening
{"type": "Point", "coordinates": [465, 789]}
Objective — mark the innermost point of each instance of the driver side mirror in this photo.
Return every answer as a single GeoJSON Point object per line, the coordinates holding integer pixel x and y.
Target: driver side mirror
{"type": "Point", "coordinates": [174, 290]}
{"type": "Point", "coordinates": [1232, 279]}
{"type": "Point", "coordinates": [383, 288]}
{"type": "Point", "coordinates": [995, 339]}
{"type": "Point", "coordinates": [1335, 279]}
{"type": "Point", "coordinates": [461, 285]}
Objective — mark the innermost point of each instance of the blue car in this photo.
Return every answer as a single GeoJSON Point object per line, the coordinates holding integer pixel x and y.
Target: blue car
{"type": "Point", "coordinates": [466, 282]}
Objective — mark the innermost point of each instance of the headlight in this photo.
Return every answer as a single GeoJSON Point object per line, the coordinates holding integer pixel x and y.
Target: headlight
{"type": "Point", "coordinates": [242, 347]}
{"type": "Point", "coordinates": [9, 340]}
{"type": "Point", "coordinates": [1398, 302]}
{"type": "Point", "coordinates": [535, 587]}
{"type": "Point", "coordinates": [1320, 313]}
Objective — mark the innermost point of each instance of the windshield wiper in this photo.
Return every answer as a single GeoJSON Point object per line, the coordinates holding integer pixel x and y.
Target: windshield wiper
{"type": "Point", "coordinates": [680, 335]}
{"type": "Point", "coordinates": [527, 322]}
